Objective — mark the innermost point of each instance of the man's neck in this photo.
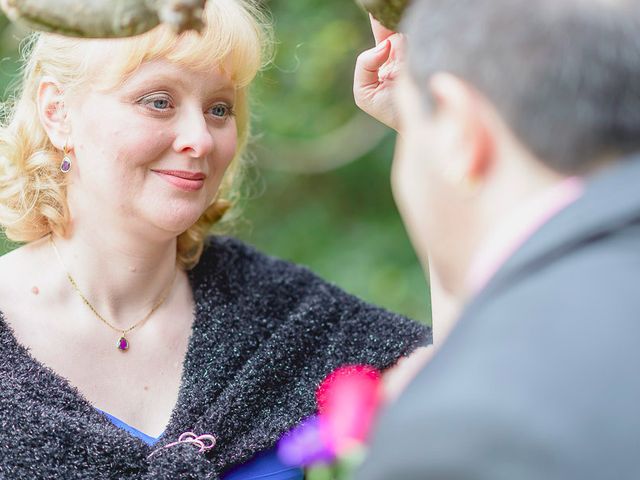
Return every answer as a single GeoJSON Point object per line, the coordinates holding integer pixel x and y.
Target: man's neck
{"type": "Point", "coordinates": [518, 224]}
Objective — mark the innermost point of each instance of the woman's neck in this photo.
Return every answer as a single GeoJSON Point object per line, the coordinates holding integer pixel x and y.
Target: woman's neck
{"type": "Point", "coordinates": [121, 275]}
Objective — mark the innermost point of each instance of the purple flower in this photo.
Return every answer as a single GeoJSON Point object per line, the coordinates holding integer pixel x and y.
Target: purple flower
{"type": "Point", "coordinates": [303, 446]}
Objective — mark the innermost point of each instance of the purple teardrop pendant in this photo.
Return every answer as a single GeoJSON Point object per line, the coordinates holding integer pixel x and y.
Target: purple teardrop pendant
{"type": "Point", "coordinates": [123, 344]}
{"type": "Point", "coordinates": [65, 166]}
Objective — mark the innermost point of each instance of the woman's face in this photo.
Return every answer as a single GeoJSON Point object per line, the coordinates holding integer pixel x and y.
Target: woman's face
{"type": "Point", "coordinates": [149, 154]}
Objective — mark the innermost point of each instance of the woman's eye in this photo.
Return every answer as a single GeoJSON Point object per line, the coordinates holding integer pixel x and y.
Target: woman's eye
{"type": "Point", "coordinates": [156, 103]}
{"type": "Point", "coordinates": [161, 104]}
{"type": "Point", "coordinates": [221, 110]}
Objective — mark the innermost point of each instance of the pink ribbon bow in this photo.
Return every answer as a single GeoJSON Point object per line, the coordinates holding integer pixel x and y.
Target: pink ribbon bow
{"type": "Point", "coordinates": [204, 442]}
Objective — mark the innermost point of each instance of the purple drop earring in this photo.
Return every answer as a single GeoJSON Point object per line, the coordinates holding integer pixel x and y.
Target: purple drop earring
{"type": "Point", "coordinates": [65, 166]}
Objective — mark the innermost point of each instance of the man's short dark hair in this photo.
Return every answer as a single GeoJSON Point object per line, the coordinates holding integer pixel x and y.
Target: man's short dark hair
{"type": "Point", "coordinates": [564, 74]}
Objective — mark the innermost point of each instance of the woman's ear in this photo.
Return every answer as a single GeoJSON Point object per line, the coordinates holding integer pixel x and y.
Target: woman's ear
{"type": "Point", "coordinates": [459, 110]}
{"type": "Point", "coordinates": [52, 112]}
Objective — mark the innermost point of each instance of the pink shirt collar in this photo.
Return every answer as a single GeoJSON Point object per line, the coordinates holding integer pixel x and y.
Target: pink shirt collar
{"type": "Point", "coordinates": [519, 227]}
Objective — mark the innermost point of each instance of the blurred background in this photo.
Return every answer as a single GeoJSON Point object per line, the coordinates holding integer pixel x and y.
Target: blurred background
{"type": "Point", "coordinates": [317, 192]}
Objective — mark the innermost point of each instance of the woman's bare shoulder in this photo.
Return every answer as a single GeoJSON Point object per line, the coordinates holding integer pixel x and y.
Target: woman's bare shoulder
{"type": "Point", "coordinates": [11, 270]}
{"type": "Point", "coordinates": [22, 270]}
{"type": "Point", "coordinates": [20, 260]}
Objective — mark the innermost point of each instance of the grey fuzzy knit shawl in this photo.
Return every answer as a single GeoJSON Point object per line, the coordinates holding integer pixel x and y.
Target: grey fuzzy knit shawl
{"type": "Point", "coordinates": [265, 334]}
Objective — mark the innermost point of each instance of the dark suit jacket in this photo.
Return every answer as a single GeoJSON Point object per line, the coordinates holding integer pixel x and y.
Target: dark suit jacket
{"type": "Point", "coordinates": [541, 377]}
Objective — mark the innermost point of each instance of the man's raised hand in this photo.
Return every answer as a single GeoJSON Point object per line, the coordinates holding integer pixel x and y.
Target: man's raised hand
{"type": "Point", "coordinates": [375, 75]}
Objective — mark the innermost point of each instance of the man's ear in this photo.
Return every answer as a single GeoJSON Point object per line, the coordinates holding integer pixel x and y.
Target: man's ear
{"type": "Point", "coordinates": [459, 110]}
{"type": "Point", "coordinates": [52, 112]}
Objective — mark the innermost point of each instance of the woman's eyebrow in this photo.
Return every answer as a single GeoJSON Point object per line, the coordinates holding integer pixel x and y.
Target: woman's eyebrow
{"type": "Point", "coordinates": [212, 89]}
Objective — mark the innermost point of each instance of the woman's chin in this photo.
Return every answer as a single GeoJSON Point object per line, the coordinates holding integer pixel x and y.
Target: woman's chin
{"type": "Point", "coordinates": [176, 221]}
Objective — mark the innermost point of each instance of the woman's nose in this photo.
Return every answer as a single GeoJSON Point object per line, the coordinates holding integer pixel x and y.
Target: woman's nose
{"type": "Point", "coordinates": [193, 134]}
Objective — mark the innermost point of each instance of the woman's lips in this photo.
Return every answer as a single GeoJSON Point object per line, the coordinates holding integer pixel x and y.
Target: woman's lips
{"type": "Point", "coordinates": [184, 180]}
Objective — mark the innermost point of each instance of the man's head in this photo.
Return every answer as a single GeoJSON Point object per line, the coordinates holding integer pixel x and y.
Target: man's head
{"type": "Point", "coordinates": [499, 100]}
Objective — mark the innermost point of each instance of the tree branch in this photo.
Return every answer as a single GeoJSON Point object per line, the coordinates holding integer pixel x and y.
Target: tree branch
{"type": "Point", "coordinates": [387, 12]}
{"type": "Point", "coordinates": [104, 18]}
{"type": "Point", "coordinates": [125, 18]}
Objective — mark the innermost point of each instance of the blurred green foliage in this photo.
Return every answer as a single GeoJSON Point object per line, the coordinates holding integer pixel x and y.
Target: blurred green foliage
{"type": "Point", "coordinates": [341, 223]}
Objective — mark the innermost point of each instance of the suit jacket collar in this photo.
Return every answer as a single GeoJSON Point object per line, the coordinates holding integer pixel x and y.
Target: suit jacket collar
{"type": "Point", "coordinates": [611, 201]}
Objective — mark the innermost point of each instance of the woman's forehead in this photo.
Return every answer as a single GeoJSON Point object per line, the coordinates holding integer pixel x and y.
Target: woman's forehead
{"type": "Point", "coordinates": [111, 64]}
{"type": "Point", "coordinates": [214, 79]}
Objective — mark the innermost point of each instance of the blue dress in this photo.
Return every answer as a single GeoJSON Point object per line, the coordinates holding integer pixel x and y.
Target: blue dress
{"type": "Point", "coordinates": [264, 466]}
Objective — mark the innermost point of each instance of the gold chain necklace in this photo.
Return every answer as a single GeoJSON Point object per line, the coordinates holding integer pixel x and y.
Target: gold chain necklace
{"type": "Point", "coordinates": [123, 342]}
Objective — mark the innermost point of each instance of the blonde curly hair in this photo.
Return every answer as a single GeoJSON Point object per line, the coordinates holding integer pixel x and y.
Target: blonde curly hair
{"type": "Point", "coordinates": [33, 201]}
